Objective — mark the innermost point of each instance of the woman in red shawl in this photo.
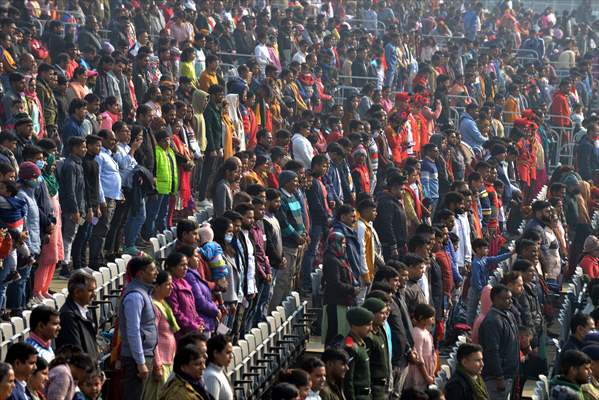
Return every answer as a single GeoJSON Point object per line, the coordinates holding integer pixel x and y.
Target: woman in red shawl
{"type": "Point", "coordinates": [184, 157]}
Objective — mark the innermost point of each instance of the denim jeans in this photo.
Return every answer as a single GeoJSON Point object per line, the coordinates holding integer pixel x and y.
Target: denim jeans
{"type": "Point", "coordinates": [10, 264]}
{"type": "Point", "coordinates": [156, 213]}
{"type": "Point", "coordinates": [16, 292]}
{"type": "Point", "coordinates": [69, 231]}
{"type": "Point", "coordinates": [472, 307]}
{"type": "Point", "coordinates": [135, 222]}
{"type": "Point", "coordinates": [316, 234]}
{"type": "Point", "coordinates": [262, 301]}
{"type": "Point", "coordinates": [98, 236]}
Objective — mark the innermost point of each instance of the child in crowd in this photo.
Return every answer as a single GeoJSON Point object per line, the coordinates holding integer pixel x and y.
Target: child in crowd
{"type": "Point", "coordinates": [213, 254]}
{"type": "Point", "coordinates": [91, 388]}
{"type": "Point", "coordinates": [479, 274]}
{"type": "Point", "coordinates": [422, 372]}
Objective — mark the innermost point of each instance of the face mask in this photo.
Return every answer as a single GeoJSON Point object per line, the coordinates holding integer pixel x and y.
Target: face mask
{"type": "Point", "coordinates": [459, 211]}
{"type": "Point", "coordinates": [51, 159]}
{"type": "Point", "coordinates": [41, 164]}
{"type": "Point", "coordinates": [33, 183]}
{"type": "Point", "coordinates": [229, 238]}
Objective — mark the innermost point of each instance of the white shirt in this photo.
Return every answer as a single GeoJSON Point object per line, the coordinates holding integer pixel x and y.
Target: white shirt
{"type": "Point", "coordinates": [217, 383]}
{"type": "Point", "coordinates": [299, 57]}
{"type": "Point", "coordinates": [462, 229]}
{"type": "Point", "coordinates": [82, 310]}
{"type": "Point", "coordinates": [251, 267]}
{"type": "Point", "coordinates": [262, 56]}
{"type": "Point", "coordinates": [302, 150]}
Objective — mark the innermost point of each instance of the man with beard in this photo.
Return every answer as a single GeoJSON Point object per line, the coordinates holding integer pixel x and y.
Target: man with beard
{"type": "Point", "coordinates": [455, 202]}
{"type": "Point", "coordinates": [499, 340]}
{"type": "Point", "coordinates": [575, 370]}
{"type": "Point", "coordinates": [390, 222]}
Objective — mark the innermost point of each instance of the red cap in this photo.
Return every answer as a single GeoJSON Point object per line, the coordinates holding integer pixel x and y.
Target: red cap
{"type": "Point", "coordinates": [521, 122]}
{"type": "Point", "coordinates": [403, 97]}
{"type": "Point", "coordinates": [529, 114]}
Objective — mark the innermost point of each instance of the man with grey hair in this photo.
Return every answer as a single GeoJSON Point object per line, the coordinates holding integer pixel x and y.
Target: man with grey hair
{"type": "Point", "coordinates": [77, 326]}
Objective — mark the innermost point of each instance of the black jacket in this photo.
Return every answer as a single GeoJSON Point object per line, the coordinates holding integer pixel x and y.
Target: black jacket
{"type": "Point", "coordinates": [499, 340]}
{"type": "Point", "coordinates": [586, 158]}
{"type": "Point", "coordinates": [436, 285]}
{"type": "Point", "coordinates": [317, 204]}
{"type": "Point", "coordinates": [244, 42]}
{"type": "Point", "coordinates": [401, 331]}
{"type": "Point", "coordinates": [390, 222]}
{"type": "Point", "coordinates": [458, 387]}
{"type": "Point", "coordinates": [88, 38]}
{"type": "Point", "coordinates": [91, 172]}
{"type": "Point", "coordinates": [72, 186]}
{"type": "Point", "coordinates": [76, 330]}
{"type": "Point", "coordinates": [337, 282]}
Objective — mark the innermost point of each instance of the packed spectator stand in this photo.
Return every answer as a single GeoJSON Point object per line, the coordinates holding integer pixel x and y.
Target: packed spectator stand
{"type": "Point", "coordinates": [299, 200]}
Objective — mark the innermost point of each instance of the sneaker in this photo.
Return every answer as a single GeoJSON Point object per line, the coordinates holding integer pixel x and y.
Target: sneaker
{"type": "Point", "coordinates": [133, 251]}
{"type": "Point", "coordinates": [64, 273]}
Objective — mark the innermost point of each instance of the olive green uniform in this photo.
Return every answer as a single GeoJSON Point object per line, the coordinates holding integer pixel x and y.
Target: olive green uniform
{"type": "Point", "coordinates": [380, 366]}
{"type": "Point", "coordinates": [331, 391]}
{"type": "Point", "coordinates": [357, 379]}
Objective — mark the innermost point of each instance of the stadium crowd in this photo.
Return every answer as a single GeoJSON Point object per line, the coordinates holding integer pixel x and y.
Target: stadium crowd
{"type": "Point", "coordinates": [405, 149]}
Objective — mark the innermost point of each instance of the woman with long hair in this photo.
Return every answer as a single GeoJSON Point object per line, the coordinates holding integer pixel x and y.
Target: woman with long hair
{"type": "Point", "coordinates": [52, 250]}
{"type": "Point", "coordinates": [110, 112]}
{"type": "Point", "coordinates": [181, 298]}
{"type": "Point", "coordinates": [205, 306]}
{"type": "Point", "coordinates": [222, 191]}
{"type": "Point", "coordinates": [223, 235]}
{"type": "Point", "coordinates": [7, 380]}
{"type": "Point", "coordinates": [340, 288]}
{"type": "Point", "coordinates": [34, 107]}
{"type": "Point", "coordinates": [67, 370]}
{"type": "Point", "coordinates": [39, 380]}
{"type": "Point", "coordinates": [167, 326]}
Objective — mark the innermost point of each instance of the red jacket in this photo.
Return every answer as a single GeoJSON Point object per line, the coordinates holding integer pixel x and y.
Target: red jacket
{"type": "Point", "coordinates": [560, 109]}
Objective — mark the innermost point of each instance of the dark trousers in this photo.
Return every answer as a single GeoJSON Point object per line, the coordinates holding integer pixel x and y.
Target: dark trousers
{"type": "Point", "coordinates": [133, 386]}
{"type": "Point", "coordinates": [99, 234]}
{"type": "Point", "coordinates": [210, 166]}
{"type": "Point", "coordinates": [115, 232]}
{"type": "Point", "coordinates": [80, 245]}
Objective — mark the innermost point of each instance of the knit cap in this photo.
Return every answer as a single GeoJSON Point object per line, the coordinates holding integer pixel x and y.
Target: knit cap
{"type": "Point", "coordinates": [359, 316]}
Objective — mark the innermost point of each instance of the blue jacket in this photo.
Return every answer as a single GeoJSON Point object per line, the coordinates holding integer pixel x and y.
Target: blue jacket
{"type": "Point", "coordinates": [353, 248]}
{"type": "Point", "coordinates": [20, 393]}
{"type": "Point", "coordinates": [480, 269]}
{"type": "Point", "coordinates": [72, 128]}
{"type": "Point", "coordinates": [32, 220]}
{"type": "Point", "coordinates": [470, 133]}
{"type": "Point", "coordinates": [470, 18]}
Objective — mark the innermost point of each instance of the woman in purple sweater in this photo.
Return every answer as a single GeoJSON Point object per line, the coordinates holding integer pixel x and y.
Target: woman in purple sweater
{"type": "Point", "coordinates": [205, 306]}
{"type": "Point", "coordinates": [181, 299]}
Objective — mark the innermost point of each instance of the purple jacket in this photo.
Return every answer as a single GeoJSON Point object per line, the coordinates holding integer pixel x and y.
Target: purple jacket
{"type": "Point", "coordinates": [183, 305]}
{"type": "Point", "coordinates": [204, 305]}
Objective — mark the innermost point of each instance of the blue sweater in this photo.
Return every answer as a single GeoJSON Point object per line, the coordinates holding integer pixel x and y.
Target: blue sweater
{"type": "Point", "coordinates": [480, 269]}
